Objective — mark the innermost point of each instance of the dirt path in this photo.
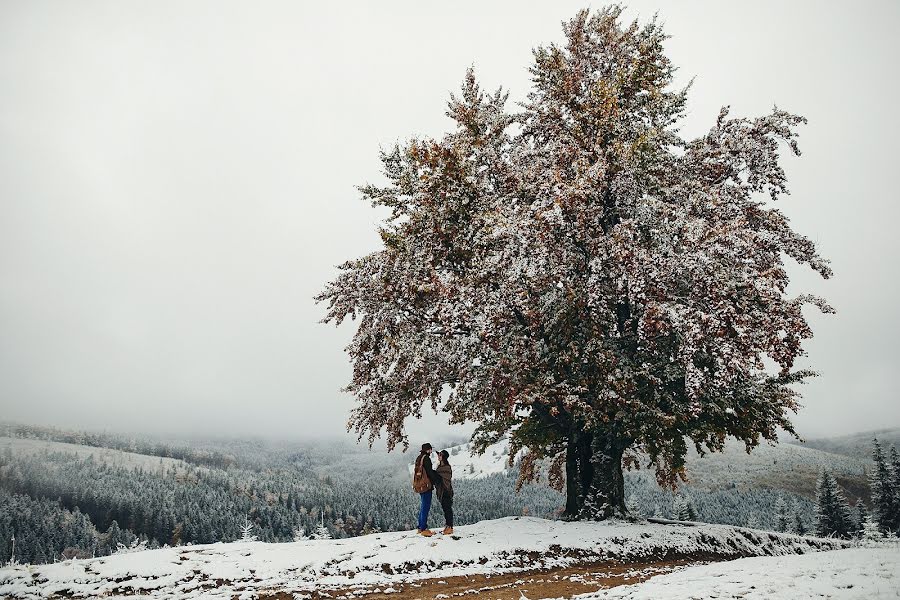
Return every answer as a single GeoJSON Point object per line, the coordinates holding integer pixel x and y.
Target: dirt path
{"type": "Point", "coordinates": [547, 583]}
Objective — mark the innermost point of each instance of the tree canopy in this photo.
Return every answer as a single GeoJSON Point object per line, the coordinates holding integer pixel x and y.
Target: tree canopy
{"type": "Point", "coordinates": [580, 278]}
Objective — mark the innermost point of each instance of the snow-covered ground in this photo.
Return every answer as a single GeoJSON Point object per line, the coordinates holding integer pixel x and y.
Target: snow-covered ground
{"type": "Point", "coordinates": [855, 573]}
{"type": "Point", "coordinates": [502, 545]}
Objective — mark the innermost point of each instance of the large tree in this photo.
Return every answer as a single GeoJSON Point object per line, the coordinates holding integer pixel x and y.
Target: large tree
{"type": "Point", "coordinates": [580, 278]}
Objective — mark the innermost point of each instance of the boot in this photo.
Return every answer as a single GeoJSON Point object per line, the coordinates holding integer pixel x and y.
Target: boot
{"type": "Point", "coordinates": [448, 530]}
{"type": "Point", "coordinates": [426, 532]}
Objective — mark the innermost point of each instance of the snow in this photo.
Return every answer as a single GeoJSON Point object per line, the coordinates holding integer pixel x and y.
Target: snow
{"type": "Point", "coordinates": [109, 456]}
{"type": "Point", "coordinates": [502, 545]}
{"type": "Point", "coordinates": [733, 466]}
{"type": "Point", "coordinates": [468, 465]}
{"type": "Point", "coordinates": [863, 573]}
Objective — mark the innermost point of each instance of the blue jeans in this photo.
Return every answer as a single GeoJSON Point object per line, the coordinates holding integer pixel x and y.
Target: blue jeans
{"type": "Point", "coordinates": [423, 510]}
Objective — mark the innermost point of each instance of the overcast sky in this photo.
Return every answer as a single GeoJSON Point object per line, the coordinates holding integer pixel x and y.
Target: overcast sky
{"type": "Point", "coordinates": [177, 182]}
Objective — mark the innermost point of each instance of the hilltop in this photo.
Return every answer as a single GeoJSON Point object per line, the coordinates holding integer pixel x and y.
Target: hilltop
{"type": "Point", "coordinates": [502, 555]}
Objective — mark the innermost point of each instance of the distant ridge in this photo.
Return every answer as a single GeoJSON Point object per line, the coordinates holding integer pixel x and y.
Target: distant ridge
{"type": "Point", "coordinates": [856, 445]}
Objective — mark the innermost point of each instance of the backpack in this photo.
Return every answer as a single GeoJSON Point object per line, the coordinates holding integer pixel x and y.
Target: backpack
{"type": "Point", "coordinates": [421, 482]}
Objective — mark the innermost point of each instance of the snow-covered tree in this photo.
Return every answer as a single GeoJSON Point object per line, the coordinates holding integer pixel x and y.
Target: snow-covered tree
{"type": "Point", "coordinates": [12, 553]}
{"type": "Point", "coordinates": [136, 545]}
{"type": "Point", "coordinates": [683, 509]}
{"type": "Point", "coordinates": [633, 508]}
{"type": "Point", "coordinates": [895, 491]}
{"type": "Point", "coordinates": [798, 525]}
{"type": "Point", "coordinates": [862, 515]}
{"type": "Point", "coordinates": [832, 511]}
{"type": "Point", "coordinates": [247, 531]}
{"type": "Point", "coordinates": [321, 532]}
{"type": "Point", "coordinates": [299, 533]}
{"type": "Point", "coordinates": [884, 496]}
{"type": "Point", "coordinates": [587, 282]}
{"type": "Point", "coordinates": [870, 530]}
{"type": "Point", "coordinates": [781, 518]}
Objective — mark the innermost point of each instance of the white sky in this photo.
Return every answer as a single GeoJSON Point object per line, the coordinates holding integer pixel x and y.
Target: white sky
{"type": "Point", "coordinates": [177, 182]}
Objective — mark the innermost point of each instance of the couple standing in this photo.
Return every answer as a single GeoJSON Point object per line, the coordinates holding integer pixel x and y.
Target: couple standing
{"type": "Point", "coordinates": [426, 479]}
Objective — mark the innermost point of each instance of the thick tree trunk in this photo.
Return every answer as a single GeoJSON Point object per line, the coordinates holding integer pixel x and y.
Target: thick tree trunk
{"type": "Point", "coordinates": [595, 484]}
{"type": "Point", "coordinates": [579, 472]}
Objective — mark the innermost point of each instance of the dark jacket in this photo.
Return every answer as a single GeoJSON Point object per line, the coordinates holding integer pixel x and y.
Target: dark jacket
{"type": "Point", "coordinates": [443, 481]}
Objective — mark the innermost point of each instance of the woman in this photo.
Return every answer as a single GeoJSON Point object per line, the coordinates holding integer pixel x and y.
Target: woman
{"type": "Point", "coordinates": [443, 485]}
{"type": "Point", "coordinates": [423, 479]}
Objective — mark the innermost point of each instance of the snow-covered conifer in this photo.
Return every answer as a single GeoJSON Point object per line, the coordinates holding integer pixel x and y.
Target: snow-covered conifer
{"type": "Point", "coordinates": [633, 507]}
{"type": "Point", "coordinates": [870, 530]}
{"type": "Point", "coordinates": [321, 532]}
{"type": "Point", "coordinates": [895, 491]}
{"type": "Point", "coordinates": [882, 485]}
{"type": "Point", "coordinates": [752, 522]}
{"type": "Point", "coordinates": [832, 512]}
{"type": "Point", "coordinates": [781, 518]}
{"type": "Point", "coordinates": [683, 509]}
{"type": "Point", "coordinates": [798, 525]}
{"type": "Point", "coordinates": [247, 531]}
{"type": "Point", "coordinates": [862, 515]}
{"type": "Point", "coordinates": [299, 533]}
{"type": "Point", "coordinates": [580, 277]}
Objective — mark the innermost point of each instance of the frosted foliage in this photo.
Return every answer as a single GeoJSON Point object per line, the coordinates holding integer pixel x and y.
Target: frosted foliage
{"type": "Point", "coordinates": [247, 531]}
{"type": "Point", "coordinates": [578, 269]}
{"type": "Point", "coordinates": [299, 534]}
{"type": "Point", "coordinates": [832, 512]}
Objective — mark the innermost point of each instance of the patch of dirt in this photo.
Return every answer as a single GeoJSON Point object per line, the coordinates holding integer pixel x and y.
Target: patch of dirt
{"type": "Point", "coordinates": [564, 582]}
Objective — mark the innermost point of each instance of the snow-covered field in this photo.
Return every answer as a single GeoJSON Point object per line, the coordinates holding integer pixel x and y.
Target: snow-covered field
{"type": "Point", "coordinates": [855, 573]}
{"type": "Point", "coordinates": [386, 559]}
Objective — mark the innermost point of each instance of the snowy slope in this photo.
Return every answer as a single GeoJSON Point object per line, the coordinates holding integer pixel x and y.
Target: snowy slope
{"type": "Point", "coordinates": [783, 466]}
{"type": "Point", "coordinates": [502, 545]}
{"type": "Point", "coordinates": [856, 573]}
{"type": "Point", "coordinates": [109, 456]}
{"type": "Point", "coordinates": [468, 465]}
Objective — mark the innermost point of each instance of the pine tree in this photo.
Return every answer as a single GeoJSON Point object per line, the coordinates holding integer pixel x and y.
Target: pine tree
{"type": "Point", "coordinates": [247, 531]}
{"type": "Point", "coordinates": [321, 532]}
{"type": "Point", "coordinates": [883, 493]}
{"type": "Point", "coordinates": [862, 515]}
{"type": "Point", "coordinates": [870, 530]}
{"type": "Point", "coordinates": [895, 491]}
{"type": "Point", "coordinates": [633, 507]}
{"type": "Point", "coordinates": [832, 511]}
{"type": "Point", "coordinates": [798, 526]}
{"type": "Point", "coordinates": [683, 509]}
{"type": "Point", "coordinates": [299, 534]}
{"type": "Point", "coordinates": [581, 278]}
{"type": "Point", "coordinates": [781, 518]}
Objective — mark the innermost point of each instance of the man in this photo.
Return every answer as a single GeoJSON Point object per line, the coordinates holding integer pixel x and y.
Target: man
{"type": "Point", "coordinates": [423, 477]}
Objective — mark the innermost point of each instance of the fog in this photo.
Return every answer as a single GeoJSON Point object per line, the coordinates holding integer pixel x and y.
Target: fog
{"type": "Point", "coordinates": [177, 181]}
